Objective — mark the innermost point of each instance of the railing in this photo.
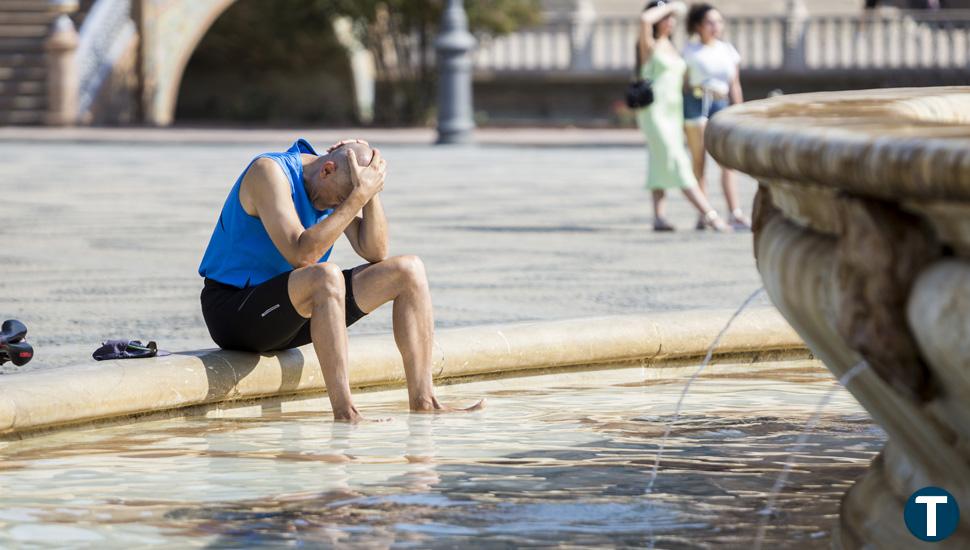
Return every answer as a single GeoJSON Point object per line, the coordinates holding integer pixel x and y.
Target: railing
{"type": "Point", "coordinates": [917, 40]}
{"type": "Point", "coordinates": [892, 40]}
{"type": "Point", "coordinates": [106, 33]}
{"type": "Point", "coordinates": [540, 48]}
{"type": "Point", "coordinates": [760, 40]}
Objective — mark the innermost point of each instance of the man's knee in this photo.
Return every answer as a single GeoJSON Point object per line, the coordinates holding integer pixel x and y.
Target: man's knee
{"type": "Point", "coordinates": [412, 269]}
{"type": "Point", "coordinates": [328, 281]}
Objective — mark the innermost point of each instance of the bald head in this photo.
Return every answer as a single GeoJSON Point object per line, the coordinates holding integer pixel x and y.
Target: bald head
{"type": "Point", "coordinates": [333, 182]}
{"type": "Point", "coordinates": [340, 157]}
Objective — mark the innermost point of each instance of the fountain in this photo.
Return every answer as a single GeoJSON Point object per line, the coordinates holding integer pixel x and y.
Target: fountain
{"type": "Point", "coordinates": [862, 238]}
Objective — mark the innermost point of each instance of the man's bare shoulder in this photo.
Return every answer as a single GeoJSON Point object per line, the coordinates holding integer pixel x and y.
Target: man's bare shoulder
{"type": "Point", "coordinates": [263, 181]}
{"type": "Point", "coordinates": [265, 169]}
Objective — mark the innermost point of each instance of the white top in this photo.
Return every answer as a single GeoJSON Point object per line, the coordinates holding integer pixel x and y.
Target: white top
{"type": "Point", "coordinates": [711, 66]}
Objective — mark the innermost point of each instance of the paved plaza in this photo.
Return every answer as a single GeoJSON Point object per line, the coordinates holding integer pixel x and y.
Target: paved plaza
{"type": "Point", "coordinates": [103, 239]}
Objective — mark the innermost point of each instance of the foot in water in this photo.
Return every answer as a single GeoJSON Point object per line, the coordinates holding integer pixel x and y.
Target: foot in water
{"type": "Point", "coordinates": [352, 416]}
{"type": "Point", "coordinates": [663, 225]}
{"type": "Point", "coordinates": [435, 406]}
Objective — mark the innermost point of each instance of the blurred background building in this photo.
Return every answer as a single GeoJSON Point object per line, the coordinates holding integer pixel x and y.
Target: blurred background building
{"type": "Point", "coordinates": [347, 62]}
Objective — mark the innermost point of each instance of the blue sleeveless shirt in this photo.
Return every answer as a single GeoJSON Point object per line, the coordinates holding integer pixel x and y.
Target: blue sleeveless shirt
{"type": "Point", "coordinates": [240, 252]}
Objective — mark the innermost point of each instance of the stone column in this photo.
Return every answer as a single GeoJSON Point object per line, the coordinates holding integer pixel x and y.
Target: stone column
{"type": "Point", "coordinates": [66, 7]}
{"type": "Point", "coordinates": [454, 44]}
{"type": "Point", "coordinates": [62, 83]}
{"type": "Point", "coordinates": [796, 22]}
{"type": "Point", "coordinates": [361, 67]}
{"type": "Point", "coordinates": [581, 36]}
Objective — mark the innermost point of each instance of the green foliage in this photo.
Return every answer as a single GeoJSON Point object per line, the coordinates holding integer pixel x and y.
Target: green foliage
{"type": "Point", "coordinates": [498, 17]}
{"type": "Point", "coordinates": [485, 17]}
{"type": "Point", "coordinates": [257, 38]}
{"type": "Point", "coordinates": [400, 34]}
{"type": "Point", "coordinates": [269, 62]}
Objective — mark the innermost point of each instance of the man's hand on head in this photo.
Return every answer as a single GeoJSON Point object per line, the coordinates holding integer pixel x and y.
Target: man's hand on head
{"type": "Point", "coordinates": [367, 180]}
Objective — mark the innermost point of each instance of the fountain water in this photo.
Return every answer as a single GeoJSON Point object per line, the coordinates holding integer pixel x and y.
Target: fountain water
{"type": "Point", "coordinates": [683, 394]}
{"type": "Point", "coordinates": [769, 509]}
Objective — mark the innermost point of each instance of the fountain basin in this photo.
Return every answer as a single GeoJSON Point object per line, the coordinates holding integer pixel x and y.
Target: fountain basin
{"type": "Point", "coordinates": [862, 237]}
{"type": "Point", "coordinates": [556, 459]}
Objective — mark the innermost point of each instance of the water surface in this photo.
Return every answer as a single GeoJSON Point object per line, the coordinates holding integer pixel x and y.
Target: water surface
{"type": "Point", "coordinates": [554, 459]}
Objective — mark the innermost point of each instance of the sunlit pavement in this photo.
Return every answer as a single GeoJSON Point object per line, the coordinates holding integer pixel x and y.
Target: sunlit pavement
{"type": "Point", "coordinates": [102, 239]}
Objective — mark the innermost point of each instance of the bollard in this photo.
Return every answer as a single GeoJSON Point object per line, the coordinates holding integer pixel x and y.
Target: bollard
{"type": "Point", "coordinates": [454, 44]}
{"type": "Point", "coordinates": [62, 83]}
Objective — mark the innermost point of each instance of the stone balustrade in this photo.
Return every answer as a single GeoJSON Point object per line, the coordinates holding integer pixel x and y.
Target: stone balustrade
{"type": "Point", "coordinates": [796, 42]}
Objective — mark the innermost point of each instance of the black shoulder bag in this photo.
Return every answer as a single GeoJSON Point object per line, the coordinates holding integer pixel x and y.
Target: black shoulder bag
{"type": "Point", "coordinates": [639, 93]}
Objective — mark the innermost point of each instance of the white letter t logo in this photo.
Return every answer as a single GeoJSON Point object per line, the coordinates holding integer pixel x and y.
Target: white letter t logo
{"type": "Point", "coordinates": [931, 503]}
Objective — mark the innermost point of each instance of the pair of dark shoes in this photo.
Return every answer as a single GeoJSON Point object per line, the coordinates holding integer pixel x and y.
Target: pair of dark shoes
{"type": "Point", "coordinates": [127, 349]}
{"type": "Point", "coordinates": [737, 222]}
{"type": "Point", "coordinates": [710, 220]}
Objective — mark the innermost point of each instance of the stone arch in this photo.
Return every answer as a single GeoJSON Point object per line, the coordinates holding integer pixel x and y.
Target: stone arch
{"type": "Point", "coordinates": [171, 30]}
{"type": "Point", "coordinates": [284, 66]}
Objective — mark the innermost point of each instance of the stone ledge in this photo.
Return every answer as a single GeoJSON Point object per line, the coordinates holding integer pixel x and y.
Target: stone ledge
{"type": "Point", "coordinates": [904, 143]}
{"type": "Point", "coordinates": [58, 398]}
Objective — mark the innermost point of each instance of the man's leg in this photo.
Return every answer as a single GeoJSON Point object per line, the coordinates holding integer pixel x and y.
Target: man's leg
{"type": "Point", "coordinates": [317, 292]}
{"type": "Point", "coordinates": [403, 280]}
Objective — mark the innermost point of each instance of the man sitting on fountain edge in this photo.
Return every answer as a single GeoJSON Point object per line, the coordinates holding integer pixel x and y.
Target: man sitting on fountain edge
{"type": "Point", "coordinates": [269, 286]}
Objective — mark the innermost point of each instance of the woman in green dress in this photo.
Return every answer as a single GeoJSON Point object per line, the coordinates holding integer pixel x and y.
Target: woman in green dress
{"type": "Point", "coordinates": [662, 123]}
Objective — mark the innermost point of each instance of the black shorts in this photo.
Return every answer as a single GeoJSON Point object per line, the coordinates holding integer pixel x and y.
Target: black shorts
{"type": "Point", "coordinates": [261, 318]}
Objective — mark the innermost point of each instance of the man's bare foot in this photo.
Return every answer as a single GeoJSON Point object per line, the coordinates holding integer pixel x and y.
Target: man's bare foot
{"type": "Point", "coordinates": [352, 416]}
{"type": "Point", "coordinates": [434, 406]}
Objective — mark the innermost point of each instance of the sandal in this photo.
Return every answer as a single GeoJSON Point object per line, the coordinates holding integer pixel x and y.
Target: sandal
{"type": "Point", "coordinates": [662, 225]}
{"type": "Point", "coordinates": [739, 221]}
{"type": "Point", "coordinates": [713, 221]}
{"type": "Point", "coordinates": [701, 224]}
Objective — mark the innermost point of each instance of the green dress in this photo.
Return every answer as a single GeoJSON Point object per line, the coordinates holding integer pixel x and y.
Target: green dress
{"type": "Point", "coordinates": [662, 123]}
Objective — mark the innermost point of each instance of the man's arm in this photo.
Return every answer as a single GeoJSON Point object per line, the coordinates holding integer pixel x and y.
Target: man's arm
{"type": "Point", "coordinates": [368, 235]}
{"type": "Point", "coordinates": [268, 193]}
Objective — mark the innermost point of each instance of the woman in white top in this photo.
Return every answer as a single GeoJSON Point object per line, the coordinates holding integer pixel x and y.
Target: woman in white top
{"type": "Point", "coordinates": [712, 85]}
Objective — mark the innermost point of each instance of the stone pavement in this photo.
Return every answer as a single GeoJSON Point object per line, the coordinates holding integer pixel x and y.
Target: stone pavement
{"type": "Point", "coordinates": [102, 239]}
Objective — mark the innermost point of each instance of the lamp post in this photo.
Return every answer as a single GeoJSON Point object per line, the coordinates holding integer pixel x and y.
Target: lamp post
{"type": "Point", "coordinates": [454, 42]}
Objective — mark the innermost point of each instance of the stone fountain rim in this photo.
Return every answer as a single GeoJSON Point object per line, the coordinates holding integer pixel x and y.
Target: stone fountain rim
{"type": "Point", "coordinates": [863, 150]}
{"type": "Point", "coordinates": [46, 400]}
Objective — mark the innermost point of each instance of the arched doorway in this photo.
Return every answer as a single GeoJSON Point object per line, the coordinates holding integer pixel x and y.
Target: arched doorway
{"type": "Point", "coordinates": [267, 63]}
